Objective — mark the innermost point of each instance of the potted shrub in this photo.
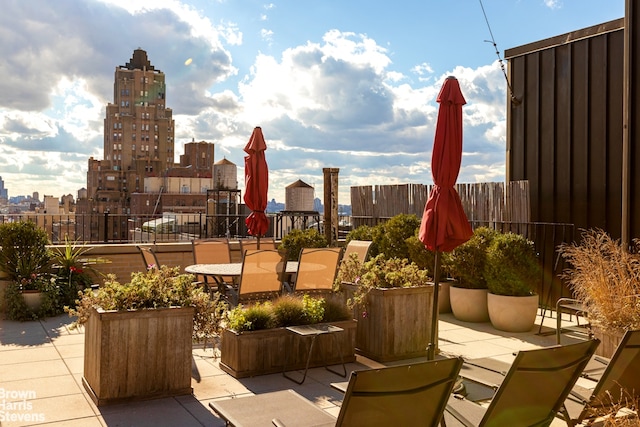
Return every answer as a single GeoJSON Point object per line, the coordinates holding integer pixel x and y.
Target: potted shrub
{"type": "Point", "coordinates": [605, 277]}
{"type": "Point", "coordinates": [145, 327]}
{"type": "Point", "coordinates": [25, 260]}
{"type": "Point", "coordinates": [255, 340]}
{"type": "Point", "coordinates": [74, 270]}
{"type": "Point", "coordinates": [512, 273]}
{"type": "Point", "coordinates": [466, 265]}
{"type": "Point", "coordinates": [425, 259]}
{"type": "Point", "coordinates": [293, 242]}
{"type": "Point", "coordinates": [388, 295]}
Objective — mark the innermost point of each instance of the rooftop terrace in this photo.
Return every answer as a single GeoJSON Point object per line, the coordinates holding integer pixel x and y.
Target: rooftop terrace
{"type": "Point", "coordinates": [41, 367]}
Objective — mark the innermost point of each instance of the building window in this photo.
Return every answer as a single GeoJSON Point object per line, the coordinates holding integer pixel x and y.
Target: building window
{"type": "Point", "coordinates": [133, 136]}
{"type": "Point", "coordinates": [133, 147]}
{"type": "Point", "coordinates": [133, 126]}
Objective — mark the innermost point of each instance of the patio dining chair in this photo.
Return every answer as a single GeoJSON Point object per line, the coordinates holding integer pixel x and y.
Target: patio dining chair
{"type": "Point", "coordinates": [317, 269]}
{"type": "Point", "coordinates": [149, 257]}
{"type": "Point", "coordinates": [261, 277]}
{"type": "Point", "coordinates": [358, 247]}
{"type": "Point", "coordinates": [404, 395]}
{"type": "Point", "coordinates": [252, 244]}
{"type": "Point", "coordinates": [533, 390]}
{"type": "Point", "coordinates": [212, 251]}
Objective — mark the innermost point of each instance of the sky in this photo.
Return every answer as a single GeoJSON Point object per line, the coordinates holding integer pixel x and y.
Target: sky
{"type": "Point", "coordinates": [348, 84]}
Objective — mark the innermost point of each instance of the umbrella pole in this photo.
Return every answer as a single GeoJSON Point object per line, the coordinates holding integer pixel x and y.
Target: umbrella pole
{"type": "Point", "coordinates": [258, 243]}
{"type": "Point", "coordinates": [431, 349]}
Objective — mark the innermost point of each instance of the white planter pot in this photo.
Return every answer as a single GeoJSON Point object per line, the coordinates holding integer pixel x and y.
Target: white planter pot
{"type": "Point", "coordinates": [512, 314]}
{"type": "Point", "coordinates": [469, 305]}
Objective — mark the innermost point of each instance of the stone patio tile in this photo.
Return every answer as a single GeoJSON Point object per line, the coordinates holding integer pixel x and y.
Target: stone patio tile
{"type": "Point", "coordinates": [30, 354]}
{"type": "Point", "coordinates": [75, 364]}
{"type": "Point", "coordinates": [41, 369]}
{"type": "Point", "coordinates": [216, 386]}
{"type": "Point", "coordinates": [68, 339]}
{"type": "Point", "coordinates": [217, 421]}
{"type": "Point", "coordinates": [201, 411]}
{"type": "Point", "coordinates": [78, 422]}
{"type": "Point", "coordinates": [71, 350]}
{"type": "Point", "coordinates": [54, 409]}
{"type": "Point", "coordinates": [43, 387]}
{"type": "Point", "coordinates": [149, 413]}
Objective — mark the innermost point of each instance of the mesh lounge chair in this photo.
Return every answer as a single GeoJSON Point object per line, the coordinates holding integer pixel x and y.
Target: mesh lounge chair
{"type": "Point", "coordinates": [358, 247]}
{"type": "Point", "coordinates": [212, 251]}
{"type": "Point", "coordinates": [317, 268]}
{"type": "Point", "coordinates": [620, 379]}
{"type": "Point", "coordinates": [149, 257]}
{"type": "Point", "coordinates": [406, 395]}
{"type": "Point", "coordinates": [261, 277]}
{"type": "Point", "coordinates": [533, 391]}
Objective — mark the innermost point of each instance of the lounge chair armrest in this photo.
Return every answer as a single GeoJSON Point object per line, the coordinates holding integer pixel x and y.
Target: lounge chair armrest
{"type": "Point", "coordinates": [277, 423]}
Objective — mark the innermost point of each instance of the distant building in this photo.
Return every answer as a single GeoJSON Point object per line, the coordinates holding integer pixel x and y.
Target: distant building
{"type": "Point", "coordinates": [4, 193]}
{"type": "Point", "coordinates": [138, 137]}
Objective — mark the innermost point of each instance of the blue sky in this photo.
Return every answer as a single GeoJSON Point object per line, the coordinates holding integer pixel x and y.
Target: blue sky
{"type": "Point", "coordinates": [347, 84]}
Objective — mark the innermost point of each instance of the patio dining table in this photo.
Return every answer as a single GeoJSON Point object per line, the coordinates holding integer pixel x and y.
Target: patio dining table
{"type": "Point", "coordinates": [231, 270]}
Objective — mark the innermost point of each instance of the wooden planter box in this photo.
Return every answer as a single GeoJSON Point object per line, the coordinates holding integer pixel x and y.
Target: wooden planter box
{"type": "Point", "coordinates": [138, 354]}
{"type": "Point", "coordinates": [263, 352]}
{"type": "Point", "coordinates": [609, 341]}
{"type": "Point", "coordinates": [397, 324]}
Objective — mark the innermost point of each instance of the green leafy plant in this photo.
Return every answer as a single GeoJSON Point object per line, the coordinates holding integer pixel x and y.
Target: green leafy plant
{"type": "Point", "coordinates": [466, 263]}
{"type": "Point", "coordinates": [252, 318]}
{"type": "Point", "coordinates": [155, 288]}
{"type": "Point", "coordinates": [17, 308]}
{"type": "Point", "coordinates": [293, 242]}
{"type": "Point", "coordinates": [24, 250]}
{"type": "Point", "coordinates": [379, 272]}
{"type": "Point", "coordinates": [512, 266]}
{"type": "Point", "coordinates": [73, 269]}
{"type": "Point", "coordinates": [390, 237]}
{"type": "Point", "coordinates": [606, 278]}
{"type": "Point", "coordinates": [425, 258]}
{"type": "Point", "coordinates": [288, 310]}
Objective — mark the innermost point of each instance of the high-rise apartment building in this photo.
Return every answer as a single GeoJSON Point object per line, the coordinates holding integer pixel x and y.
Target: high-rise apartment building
{"type": "Point", "coordinates": [138, 137]}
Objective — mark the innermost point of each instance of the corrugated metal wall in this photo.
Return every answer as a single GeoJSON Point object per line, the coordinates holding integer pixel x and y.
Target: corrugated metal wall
{"type": "Point", "coordinates": [565, 136]}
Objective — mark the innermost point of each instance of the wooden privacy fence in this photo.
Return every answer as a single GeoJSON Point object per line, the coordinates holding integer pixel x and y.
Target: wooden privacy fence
{"type": "Point", "coordinates": [502, 206]}
{"type": "Point", "coordinates": [486, 202]}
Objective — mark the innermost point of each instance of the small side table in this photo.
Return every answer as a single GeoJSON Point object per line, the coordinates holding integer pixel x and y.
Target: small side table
{"type": "Point", "coordinates": [314, 331]}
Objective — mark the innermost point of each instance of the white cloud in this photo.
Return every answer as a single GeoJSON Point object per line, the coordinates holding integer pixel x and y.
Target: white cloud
{"type": "Point", "coordinates": [334, 102]}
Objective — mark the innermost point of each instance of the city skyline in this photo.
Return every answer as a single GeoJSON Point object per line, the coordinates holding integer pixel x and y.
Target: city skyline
{"type": "Point", "coordinates": [333, 84]}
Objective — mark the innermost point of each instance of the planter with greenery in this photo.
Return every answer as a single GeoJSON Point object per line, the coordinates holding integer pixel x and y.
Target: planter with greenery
{"type": "Point", "coordinates": [605, 277]}
{"type": "Point", "coordinates": [255, 341]}
{"type": "Point", "coordinates": [26, 262]}
{"type": "Point", "coordinates": [466, 265]}
{"type": "Point", "coordinates": [296, 239]}
{"type": "Point", "coordinates": [512, 272]}
{"type": "Point", "coordinates": [138, 336]}
{"type": "Point", "coordinates": [387, 295]}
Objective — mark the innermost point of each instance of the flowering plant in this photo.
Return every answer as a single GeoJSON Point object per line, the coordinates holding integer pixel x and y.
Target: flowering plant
{"type": "Point", "coordinates": [379, 272]}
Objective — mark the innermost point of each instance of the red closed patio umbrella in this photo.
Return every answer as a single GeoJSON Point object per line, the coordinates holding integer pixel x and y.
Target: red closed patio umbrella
{"type": "Point", "coordinates": [444, 224]}
{"type": "Point", "coordinates": [256, 181]}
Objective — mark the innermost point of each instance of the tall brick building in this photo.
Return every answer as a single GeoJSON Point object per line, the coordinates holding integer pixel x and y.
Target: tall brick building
{"type": "Point", "coordinates": [138, 137]}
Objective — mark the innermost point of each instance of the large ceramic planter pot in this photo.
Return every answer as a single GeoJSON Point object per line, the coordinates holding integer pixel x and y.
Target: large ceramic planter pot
{"type": "Point", "coordinates": [511, 313]}
{"type": "Point", "coordinates": [33, 299]}
{"type": "Point", "coordinates": [444, 296]}
{"type": "Point", "coordinates": [396, 323]}
{"type": "Point", "coordinates": [138, 354]}
{"type": "Point", "coordinates": [469, 305]}
{"type": "Point", "coordinates": [609, 341]}
{"type": "Point", "coordinates": [251, 353]}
